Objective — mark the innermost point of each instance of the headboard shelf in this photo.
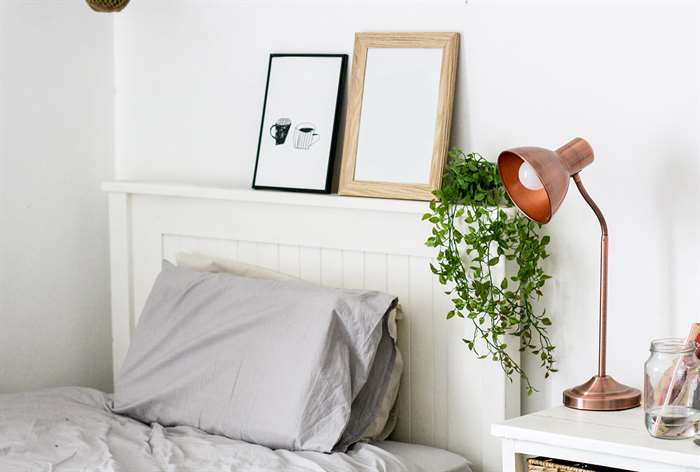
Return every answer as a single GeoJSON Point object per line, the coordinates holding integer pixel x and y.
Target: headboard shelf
{"type": "Point", "coordinates": [447, 398]}
{"type": "Point", "coordinates": [265, 196]}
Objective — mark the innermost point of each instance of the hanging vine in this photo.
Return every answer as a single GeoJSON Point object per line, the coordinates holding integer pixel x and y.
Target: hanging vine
{"type": "Point", "coordinates": [473, 233]}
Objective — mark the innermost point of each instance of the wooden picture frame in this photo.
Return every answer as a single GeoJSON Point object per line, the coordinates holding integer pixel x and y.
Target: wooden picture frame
{"type": "Point", "coordinates": [425, 162]}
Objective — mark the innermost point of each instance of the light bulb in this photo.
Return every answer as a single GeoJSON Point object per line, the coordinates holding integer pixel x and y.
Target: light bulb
{"type": "Point", "coordinates": [528, 177]}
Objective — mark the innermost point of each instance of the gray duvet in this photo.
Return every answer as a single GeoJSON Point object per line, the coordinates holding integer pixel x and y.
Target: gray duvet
{"type": "Point", "coordinates": [71, 429]}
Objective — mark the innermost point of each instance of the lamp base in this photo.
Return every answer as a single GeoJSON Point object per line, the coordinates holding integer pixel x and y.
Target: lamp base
{"type": "Point", "coordinates": [602, 394]}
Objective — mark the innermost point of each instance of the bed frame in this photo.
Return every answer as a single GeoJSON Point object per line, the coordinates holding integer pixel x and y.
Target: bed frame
{"type": "Point", "coordinates": [447, 398]}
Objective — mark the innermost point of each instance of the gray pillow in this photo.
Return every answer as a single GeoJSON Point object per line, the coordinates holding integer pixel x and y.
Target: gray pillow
{"type": "Point", "coordinates": [373, 413]}
{"type": "Point", "coordinates": [276, 363]}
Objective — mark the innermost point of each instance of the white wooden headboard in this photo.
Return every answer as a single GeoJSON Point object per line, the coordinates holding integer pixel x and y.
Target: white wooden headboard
{"type": "Point", "coordinates": [447, 398]}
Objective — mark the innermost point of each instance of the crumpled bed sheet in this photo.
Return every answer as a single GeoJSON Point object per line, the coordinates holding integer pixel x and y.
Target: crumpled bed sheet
{"type": "Point", "coordinates": [72, 429]}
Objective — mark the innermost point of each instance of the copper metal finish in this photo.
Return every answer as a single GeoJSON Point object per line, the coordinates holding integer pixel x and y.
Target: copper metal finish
{"type": "Point", "coordinates": [575, 155]}
{"type": "Point", "coordinates": [554, 168]}
{"type": "Point", "coordinates": [603, 319]}
{"type": "Point", "coordinates": [602, 394]}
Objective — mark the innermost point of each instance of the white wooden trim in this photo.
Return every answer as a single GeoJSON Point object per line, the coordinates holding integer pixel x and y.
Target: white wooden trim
{"type": "Point", "coordinates": [614, 439]}
{"type": "Point", "coordinates": [522, 448]}
{"type": "Point", "coordinates": [448, 398]}
{"type": "Point", "coordinates": [265, 196]}
{"type": "Point", "coordinates": [120, 261]}
{"type": "Point", "coordinates": [512, 460]}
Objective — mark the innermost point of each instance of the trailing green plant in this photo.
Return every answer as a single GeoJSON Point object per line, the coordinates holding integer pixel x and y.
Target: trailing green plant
{"type": "Point", "coordinates": [473, 232]}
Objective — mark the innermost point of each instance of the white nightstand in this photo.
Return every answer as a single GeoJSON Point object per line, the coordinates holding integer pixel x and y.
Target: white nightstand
{"type": "Point", "coordinates": [614, 439]}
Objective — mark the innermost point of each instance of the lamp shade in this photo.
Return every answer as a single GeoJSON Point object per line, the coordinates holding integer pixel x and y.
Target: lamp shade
{"type": "Point", "coordinates": [539, 196]}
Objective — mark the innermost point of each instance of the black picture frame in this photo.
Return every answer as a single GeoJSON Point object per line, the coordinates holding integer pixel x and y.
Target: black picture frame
{"type": "Point", "coordinates": [335, 127]}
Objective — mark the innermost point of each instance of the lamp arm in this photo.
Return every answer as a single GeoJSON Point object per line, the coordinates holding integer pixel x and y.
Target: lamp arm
{"type": "Point", "coordinates": [603, 320]}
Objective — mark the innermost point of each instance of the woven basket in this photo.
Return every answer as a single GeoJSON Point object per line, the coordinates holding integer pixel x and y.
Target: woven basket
{"type": "Point", "coordinates": [542, 464]}
{"type": "Point", "coordinates": [107, 5]}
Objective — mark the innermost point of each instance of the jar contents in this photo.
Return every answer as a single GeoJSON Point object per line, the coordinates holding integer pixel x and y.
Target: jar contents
{"type": "Point", "coordinates": [672, 388]}
{"type": "Point", "coordinates": [673, 422]}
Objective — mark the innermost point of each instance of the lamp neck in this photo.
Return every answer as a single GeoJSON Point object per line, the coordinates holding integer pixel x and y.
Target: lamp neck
{"type": "Point", "coordinates": [592, 204]}
{"type": "Point", "coordinates": [575, 155]}
{"type": "Point", "coordinates": [603, 319]}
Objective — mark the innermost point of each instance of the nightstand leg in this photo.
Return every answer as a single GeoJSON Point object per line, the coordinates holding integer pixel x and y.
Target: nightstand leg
{"type": "Point", "coordinates": [512, 461]}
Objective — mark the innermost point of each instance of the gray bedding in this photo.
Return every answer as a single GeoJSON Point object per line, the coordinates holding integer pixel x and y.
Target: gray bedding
{"type": "Point", "coordinates": [71, 429]}
{"type": "Point", "coordinates": [270, 362]}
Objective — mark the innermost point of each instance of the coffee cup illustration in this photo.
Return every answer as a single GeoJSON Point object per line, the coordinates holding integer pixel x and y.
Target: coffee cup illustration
{"type": "Point", "coordinates": [280, 130]}
{"type": "Point", "coordinates": [305, 135]}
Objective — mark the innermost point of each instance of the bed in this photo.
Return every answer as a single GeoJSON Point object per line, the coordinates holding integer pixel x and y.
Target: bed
{"type": "Point", "coordinates": [72, 429]}
{"type": "Point", "coordinates": [447, 400]}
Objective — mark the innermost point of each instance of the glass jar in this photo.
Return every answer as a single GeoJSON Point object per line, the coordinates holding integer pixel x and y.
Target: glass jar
{"type": "Point", "coordinates": [671, 389]}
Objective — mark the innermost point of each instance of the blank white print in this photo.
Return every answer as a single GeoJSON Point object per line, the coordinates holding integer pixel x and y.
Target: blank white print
{"type": "Point", "coordinates": [399, 114]}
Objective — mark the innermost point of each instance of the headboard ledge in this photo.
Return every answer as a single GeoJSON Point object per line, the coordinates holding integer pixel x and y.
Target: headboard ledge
{"type": "Point", "coordinates": [264, 196]}
{"type": "Point", "coordinates": [447, 399]}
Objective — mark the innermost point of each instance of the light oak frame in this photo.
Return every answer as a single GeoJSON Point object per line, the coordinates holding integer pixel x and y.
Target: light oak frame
{"type": "Point", "coordinates": [449, 43]}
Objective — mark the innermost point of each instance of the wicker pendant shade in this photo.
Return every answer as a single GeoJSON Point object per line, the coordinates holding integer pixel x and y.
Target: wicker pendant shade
{"type": "Point", "coordinates": [107, 5]}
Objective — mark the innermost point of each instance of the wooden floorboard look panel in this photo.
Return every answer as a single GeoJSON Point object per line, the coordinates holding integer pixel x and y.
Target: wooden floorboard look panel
{"type": "Point", "coordinates": [447, 398]}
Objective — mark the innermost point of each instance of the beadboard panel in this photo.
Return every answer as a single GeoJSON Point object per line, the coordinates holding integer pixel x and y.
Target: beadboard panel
{"type": "Point", "coordinates": [447, 398]}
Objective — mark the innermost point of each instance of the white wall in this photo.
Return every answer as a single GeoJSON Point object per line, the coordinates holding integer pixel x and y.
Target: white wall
{"type": "Point", "coordinates": [56, 129]}
{"type": "Point", "coordinates": [190, 81]}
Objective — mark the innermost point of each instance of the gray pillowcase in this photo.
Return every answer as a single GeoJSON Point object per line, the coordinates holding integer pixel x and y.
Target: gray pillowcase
{"type": "Point", "coordinates": [373, 413]}
{"type": "Point", "coordinates": [276, 363]}
{"type": "Point", "coordinates": [367, 404]}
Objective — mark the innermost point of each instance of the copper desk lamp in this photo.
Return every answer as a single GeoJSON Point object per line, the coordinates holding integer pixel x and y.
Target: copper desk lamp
{"type": "Point", "coordinates": [536, 180]}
